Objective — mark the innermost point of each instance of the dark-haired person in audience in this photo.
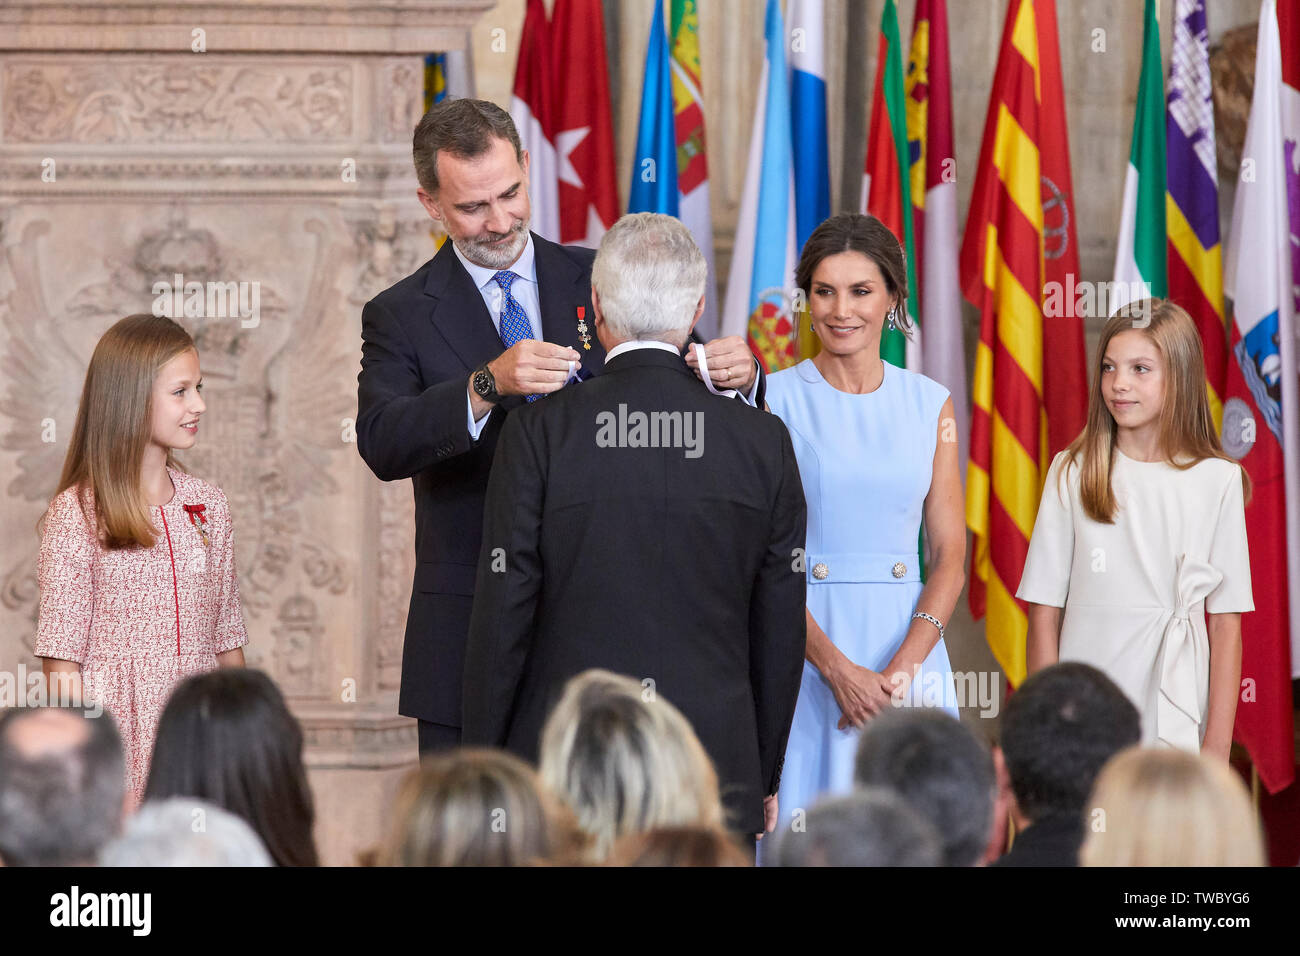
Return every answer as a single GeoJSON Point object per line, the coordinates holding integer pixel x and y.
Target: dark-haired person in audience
{"type": "Point", "coordinates": [471, 807]}
{"type": "Point", "coordinates": [1058, 731]}
{"type": "Point", "coordinates": [228, 738]}
{"type": "Point", "coordinates": [62, 786]}
{"type": "Point", "coordinates": [940, 769]}
{"type": "Point", "coordinates": [872, 826]}
{"type": "Point", "coordinates": [679, 846]}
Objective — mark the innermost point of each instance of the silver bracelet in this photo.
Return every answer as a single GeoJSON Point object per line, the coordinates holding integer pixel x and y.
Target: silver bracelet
{"type": "Point", "coordinates": [932, 619]}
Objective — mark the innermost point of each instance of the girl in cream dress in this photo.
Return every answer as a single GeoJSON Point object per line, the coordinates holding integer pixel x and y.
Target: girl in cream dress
{"type": "Point", "coordinates": [1141, 532]}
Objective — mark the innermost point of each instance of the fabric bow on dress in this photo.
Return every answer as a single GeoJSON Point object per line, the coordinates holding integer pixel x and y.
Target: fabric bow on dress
{"type": "Point", "coordinates": [1184, 655]}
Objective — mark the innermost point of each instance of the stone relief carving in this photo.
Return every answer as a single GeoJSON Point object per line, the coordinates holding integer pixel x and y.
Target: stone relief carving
{"type": "Point", "coordinates": [399, 99]}
{"type": "Point", "coordinates": [396, 567]}
{"type": "Point", "coordinates": [390, 244]}
{"type": "Point", "coordinates": [298, 631]}
{"type": "Point", "coordinates": [138, 100]}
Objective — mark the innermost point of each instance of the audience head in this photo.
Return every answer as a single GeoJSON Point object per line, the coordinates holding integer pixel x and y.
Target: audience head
{"type": "Point", "coordinates": [625, 761]}
{"type": "Point", "coordinates": [476, 808]}
{"type": "Point", "coordinates": [473, 174]}
{"type": "Point", "coordinates": [62, 786]}
{"type": "Point", "coordinates": [872, 826]}
{"type": "Point", "coordinates": [185, 832]}
{"type": "Point", "coordinates": [940, 769]}
{"type": "Point", "coordinates": [1058, 730]}
{"type": "Point", "coordinates": [679, 846]}
{"type": "Point", "coordinates": [1170, 808]}
{"type": "Point", "coordinates": [648, 280]}
{"type": "Point", "coordinates": [227, 737]}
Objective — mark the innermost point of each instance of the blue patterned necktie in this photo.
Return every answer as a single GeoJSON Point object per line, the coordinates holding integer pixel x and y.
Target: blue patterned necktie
{"type": "Point", "coordinates": [515, 326]}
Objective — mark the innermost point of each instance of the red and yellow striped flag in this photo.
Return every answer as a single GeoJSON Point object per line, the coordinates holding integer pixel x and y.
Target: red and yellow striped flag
{"type": "Point", "coordinates": [1019, 250]}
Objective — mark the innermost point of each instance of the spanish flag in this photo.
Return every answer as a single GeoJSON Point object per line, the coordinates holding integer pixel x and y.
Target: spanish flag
{"type": "Point", "coordinates": [1019, 251]}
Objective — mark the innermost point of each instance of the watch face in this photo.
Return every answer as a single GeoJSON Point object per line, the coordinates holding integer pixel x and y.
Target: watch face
{"type": "Point", "coordinates": [483, 382]}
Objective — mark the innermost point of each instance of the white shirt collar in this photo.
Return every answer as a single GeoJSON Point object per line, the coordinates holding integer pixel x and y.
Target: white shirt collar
{"type": "Point", "coordinates": [525, 266]}
{"type": "Point", "coordinates": [639, 344]}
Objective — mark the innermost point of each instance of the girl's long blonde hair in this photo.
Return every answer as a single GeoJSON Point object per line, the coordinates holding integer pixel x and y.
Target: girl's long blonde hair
{"type": "Point", "coordinates": [1187, 433]}
{"type": "Point", "coordinates": [114, 426]}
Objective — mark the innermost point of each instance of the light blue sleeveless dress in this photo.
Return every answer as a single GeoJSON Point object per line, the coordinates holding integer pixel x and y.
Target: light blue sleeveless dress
{"type": "Point", "coordinates": [866, 462]}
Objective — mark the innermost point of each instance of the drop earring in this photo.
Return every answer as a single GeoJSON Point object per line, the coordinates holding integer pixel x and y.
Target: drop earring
{"type": "Point", "coordinates": [891, 322]}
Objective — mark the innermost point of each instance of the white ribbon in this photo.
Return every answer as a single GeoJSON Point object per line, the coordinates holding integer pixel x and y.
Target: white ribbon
{"type": "Point", "coordinates": [704, 374]}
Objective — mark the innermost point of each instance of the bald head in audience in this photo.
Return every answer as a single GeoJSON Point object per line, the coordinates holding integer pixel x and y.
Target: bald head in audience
{"type": "Point", "coordinates": [62, 788]}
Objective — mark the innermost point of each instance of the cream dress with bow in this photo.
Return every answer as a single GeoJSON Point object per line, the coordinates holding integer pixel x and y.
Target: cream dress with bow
{"type": "Point", "coordinates": [1136, 592]}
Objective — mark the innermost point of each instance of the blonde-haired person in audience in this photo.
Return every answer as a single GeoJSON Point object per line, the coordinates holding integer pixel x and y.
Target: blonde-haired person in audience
{"type": "Point", "coordinates": [1157, 807]}
{"type": "Point", "coordinates": [679, 846]}
{"type": "Point", "coordinates": [625, 761]}
{"type": "Point", "coordinates": [473, 807]}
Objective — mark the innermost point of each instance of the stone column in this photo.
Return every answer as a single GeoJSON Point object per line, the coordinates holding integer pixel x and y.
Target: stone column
{"type": "Point", "coordinates": [262, 150]}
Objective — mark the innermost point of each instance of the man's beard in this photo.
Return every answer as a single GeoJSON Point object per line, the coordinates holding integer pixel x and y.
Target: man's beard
{"type": "Point", "coordinates": [482, 252]}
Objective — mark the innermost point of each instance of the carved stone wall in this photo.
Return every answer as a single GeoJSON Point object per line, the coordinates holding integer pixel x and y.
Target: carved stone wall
{"type": "Point", "coordinates": [129, 159]}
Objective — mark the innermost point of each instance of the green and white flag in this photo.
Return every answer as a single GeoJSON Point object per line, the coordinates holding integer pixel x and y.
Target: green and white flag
{"type": "Point", "coordinates": [1140, 265]}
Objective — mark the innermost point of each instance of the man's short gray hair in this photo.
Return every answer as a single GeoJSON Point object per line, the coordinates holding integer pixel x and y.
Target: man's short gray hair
{"type": "Point", "coordinates": [940, 767]}
{"type": "Point", "coordinates": [649, 275]}
{"type": "Point", "coordinates": [184, 831]}
{"type": "Point", "coordinates": [871, 826]}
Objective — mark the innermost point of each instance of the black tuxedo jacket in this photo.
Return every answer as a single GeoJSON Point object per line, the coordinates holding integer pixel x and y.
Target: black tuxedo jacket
{"type": "Point", "coordinates": [652, 562]}
{"type": "Point", "coordinates": [421, 338]}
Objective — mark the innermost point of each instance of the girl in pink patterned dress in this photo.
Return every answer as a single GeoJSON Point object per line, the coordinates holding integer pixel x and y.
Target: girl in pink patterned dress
{"type": "Point", "coordinates": [137, 561]}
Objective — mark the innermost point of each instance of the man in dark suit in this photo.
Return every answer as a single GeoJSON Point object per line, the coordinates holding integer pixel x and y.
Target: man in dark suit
{"type": "Point", "coordinates": [449, 351]}
{"type": "Point", "coordinates": [640, 524]}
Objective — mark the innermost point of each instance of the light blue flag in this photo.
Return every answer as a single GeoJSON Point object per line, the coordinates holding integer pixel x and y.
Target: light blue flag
{"type": "Point", "coordinates": [654, 166]}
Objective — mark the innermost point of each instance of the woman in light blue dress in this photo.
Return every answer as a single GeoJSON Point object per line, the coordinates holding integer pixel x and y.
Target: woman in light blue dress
{"type": "Point", "coordinates": [877, 453]}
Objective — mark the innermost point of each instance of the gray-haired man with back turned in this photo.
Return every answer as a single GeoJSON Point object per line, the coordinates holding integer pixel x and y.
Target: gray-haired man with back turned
{"type": "Point", "coordinates": [640, 524]}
